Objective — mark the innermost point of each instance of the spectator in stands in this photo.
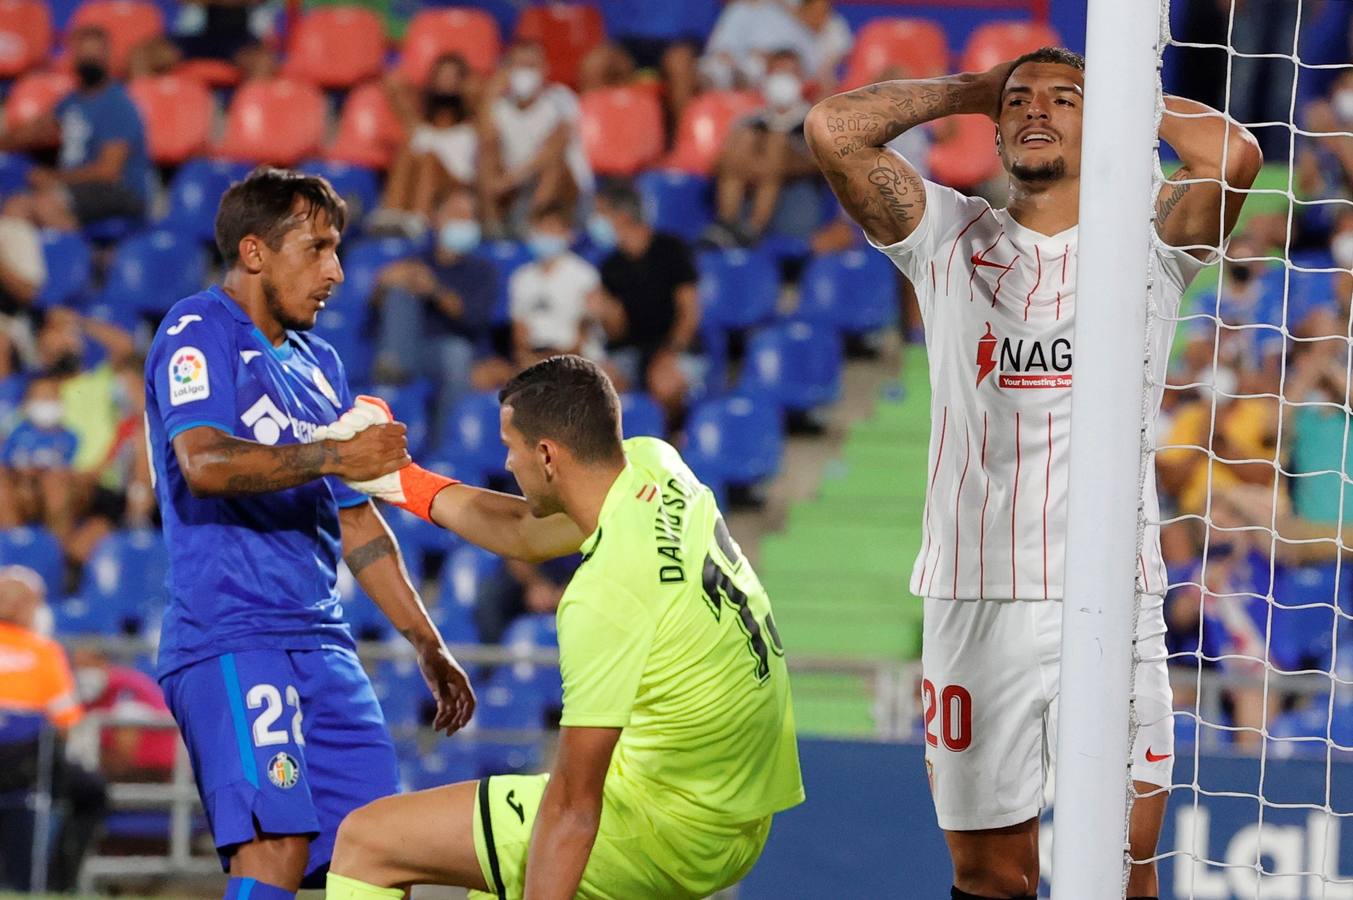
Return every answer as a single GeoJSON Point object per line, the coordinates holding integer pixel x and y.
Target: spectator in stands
{"type": "Point", "coordinates": [442, 151]}
{"type": "Point", "coordinates": [129, 750]}
{"type": "Point", "coordinates": [663, 38]}
{"type": "Point", "coordinates": [228, 31]}
{"type": "Point", "coordinates": [532, 154]}
{"type": "Point", "coordinates": [104, 171]}
{"type": "Point", "coordinates": [38, 680]}
{"type": "Point", "coordinates": [23, 272]}
{"type": "Point", "coordinates": [37, 458]}
{"type": "Point", "coordinates": [117, 493]}
{"type": "Point", "coordinates": [553, 299]}
{"type": "Point", "coordinates": [1325, 155]}
{"type": "Point", "coordinates": [1315, 436]}
{"type": "Point", "coordinates": [747, 34]}
{"type": "Point", "coordinates": [763, 153]}
{"type": "Point", "coordinates": [831, 39]}
{"type": "Point", "coordinates": [518, 589]}
{"type": "Point", "coordinates": [650, 304]}
{"type": "Point", "coordinates": [437, 313]}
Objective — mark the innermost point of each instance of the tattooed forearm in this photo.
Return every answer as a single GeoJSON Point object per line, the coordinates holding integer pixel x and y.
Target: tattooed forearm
{"type": "Point", "coordinates": [1171, 201]}
{"type": "Point", "coordinates": [218, 464]}
{"type": "Point", "coordinates": [361, 557]}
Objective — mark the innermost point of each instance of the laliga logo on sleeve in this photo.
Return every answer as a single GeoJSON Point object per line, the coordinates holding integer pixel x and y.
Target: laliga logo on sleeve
{"type": "Point", "coordinates": [188, 376]}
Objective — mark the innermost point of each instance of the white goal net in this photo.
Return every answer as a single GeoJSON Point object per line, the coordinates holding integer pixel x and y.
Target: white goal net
{"type": "Point", "coordinates": [1254, 464]}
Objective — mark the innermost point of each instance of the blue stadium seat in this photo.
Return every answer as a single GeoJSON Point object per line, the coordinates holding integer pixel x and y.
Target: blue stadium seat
{"type": "Point", "coordinates": [38, 549]}
{"type": "Point", "coordinates": [641, 415]}
{"type": "Point", "coordinates": [857, 290]}
{"type": "Point", "coordinates": [508, 256]}
{"type": "Point", "coordinates": [676, 202]}
{"type": "Point", "coordinates": [462, 575]}
{"type": "Point", "coordinates": [11, 395]}
{"type": "Point", "coordinates": [357, 185]}
{"type": "Point", "coordinates": [526, 634]}
{"type": "Point", "coordinates": [738, 288]}
{"type": "Point", "coordinates": [410, 403]}
{"type": "Point", "coordinates": [111, 230]}
{"type": "Point", "coordinates": [418, 536]}
{"type": "Point", "coordinates": [738, 439]}
{"type": "Point", "coordinates": [471, 434]}
{"type": "Point", "coordinates": [1305, 636]}
{"type": "Point", "coordinates": [363, 261]}
{"type": "Point", "coordinates": [14, 169]}
{"type": "Point", "coordinates": [448, 762]}
{"type": "Point", "coordinates": [68, 269]}
{"type": "Point", "coordinates": [503, 707]}
{"type": "Point", "coordinates": [343, 324]}
{"type": "Point", "coordinates": [402, 692]}
{"type": "Point", "coordinates": [195, 193]}
{"type": "Point", "coordinates": [796, 361]}
{"type": "Point", "coordinates": [153, 271]}
{"type": "Point", "coordinates": [123, 589]}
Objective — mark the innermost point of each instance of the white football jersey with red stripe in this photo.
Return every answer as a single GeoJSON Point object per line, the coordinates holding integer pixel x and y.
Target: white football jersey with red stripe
{"type": "Point", "coordinates": [998, 301]}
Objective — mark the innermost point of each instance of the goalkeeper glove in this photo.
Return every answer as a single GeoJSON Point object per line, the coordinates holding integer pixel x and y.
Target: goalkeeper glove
{"type": "Point", "coordinates": [412, 487]}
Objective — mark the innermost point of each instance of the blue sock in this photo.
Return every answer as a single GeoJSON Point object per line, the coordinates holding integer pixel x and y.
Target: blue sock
{"type": "Point", "coordinates": [249, 889]}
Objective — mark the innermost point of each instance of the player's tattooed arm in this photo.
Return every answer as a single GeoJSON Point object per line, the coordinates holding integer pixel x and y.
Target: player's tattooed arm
{"type": "Point", "coordinates": [374, 559]}
{"type": "Point", "coordinates": [847, 134]}
{"type": "Point", "coordinates": [1191, 209]}
{"type": "Point", "coordinates": [216, 464]}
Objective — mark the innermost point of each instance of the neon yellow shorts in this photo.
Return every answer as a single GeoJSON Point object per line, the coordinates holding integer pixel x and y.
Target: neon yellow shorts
{"type": "Point", "coordinates": [636, 854]}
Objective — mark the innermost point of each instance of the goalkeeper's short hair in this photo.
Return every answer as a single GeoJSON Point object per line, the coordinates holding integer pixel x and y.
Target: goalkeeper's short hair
{"type": "Point", "coordinates": [570, 400]}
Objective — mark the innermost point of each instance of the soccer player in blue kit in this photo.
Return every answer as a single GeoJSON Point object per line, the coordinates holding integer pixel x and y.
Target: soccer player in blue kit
{"type": "Point", "coordinates": [256, 663]}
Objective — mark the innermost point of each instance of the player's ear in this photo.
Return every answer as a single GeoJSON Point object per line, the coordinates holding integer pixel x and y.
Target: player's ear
{"type": "Point", "coordinates": [251, 253]}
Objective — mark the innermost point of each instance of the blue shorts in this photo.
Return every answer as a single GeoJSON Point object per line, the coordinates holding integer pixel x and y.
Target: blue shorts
{"type": "Point", "coordinates": [282, 742]}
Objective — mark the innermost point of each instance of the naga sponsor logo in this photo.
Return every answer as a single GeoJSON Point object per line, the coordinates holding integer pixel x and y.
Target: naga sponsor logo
{"type": "Point", "coordinates": [1024, 363]}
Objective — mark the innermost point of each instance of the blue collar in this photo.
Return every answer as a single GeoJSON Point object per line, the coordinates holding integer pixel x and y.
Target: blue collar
{"type": "Point", "coordinates": [238, 313]}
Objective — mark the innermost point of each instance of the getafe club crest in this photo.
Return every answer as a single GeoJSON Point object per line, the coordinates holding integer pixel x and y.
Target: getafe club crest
{"type": "Point", "coordinates": [284, 771]}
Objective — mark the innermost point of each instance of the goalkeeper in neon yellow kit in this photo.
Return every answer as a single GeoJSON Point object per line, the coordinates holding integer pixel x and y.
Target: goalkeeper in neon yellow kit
{"type": "Point", "coordinates": [677, 736]}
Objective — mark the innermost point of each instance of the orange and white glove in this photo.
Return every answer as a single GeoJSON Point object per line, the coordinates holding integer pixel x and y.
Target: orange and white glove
{"type": "Point", "coordinates": [411, 487]}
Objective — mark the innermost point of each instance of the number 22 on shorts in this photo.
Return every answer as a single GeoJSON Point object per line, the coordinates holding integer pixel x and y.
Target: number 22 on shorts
{"type": "Point", "coordinates": [952, 705]}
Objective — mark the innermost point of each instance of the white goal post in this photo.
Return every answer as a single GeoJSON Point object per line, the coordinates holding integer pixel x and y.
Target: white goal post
{"type": "Point", "coordinates": [1122, 90]}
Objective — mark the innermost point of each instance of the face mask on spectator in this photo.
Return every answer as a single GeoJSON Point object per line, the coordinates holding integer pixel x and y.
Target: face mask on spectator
{"type": "Point", "coordinates": [782, 89]}
{"type": "Point", "coordinates": [91, 74]}
{"type": "Point", "coordinates": [601, 231]}
{"type": "Point", "coordinates": [44, 413]}
{"type": "Point", "coordinates": [1342, 248]}
{"type": "Point", "coordinates": [459, 236]}
{"type": "Point", "coordinates": [1343, 104]}
{"type": "Point", "coordinates": [524, 82]}
{"type": "Point", "coordinates": [546, 246]}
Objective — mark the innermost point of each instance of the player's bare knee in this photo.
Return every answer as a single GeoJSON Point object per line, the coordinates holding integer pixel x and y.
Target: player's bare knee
{"type": "Point", "coordinates": [359, 843]}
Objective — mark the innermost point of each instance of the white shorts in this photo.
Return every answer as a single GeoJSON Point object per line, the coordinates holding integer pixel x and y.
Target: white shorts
{"type": "Point", "coordinates": [991, 673]}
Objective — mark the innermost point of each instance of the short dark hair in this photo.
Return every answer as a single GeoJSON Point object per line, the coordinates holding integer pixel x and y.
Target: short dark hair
{"type": "Point", "coordinates": [568, 399]}
{"type": "Point", "coordinates": [263, 204]}
{"type": "Point", "coordinates": [1059, 55]}
{"type": "Point", "coordinates": [621, 196]}
{"type": "Point", "coordinates": [91, 31]}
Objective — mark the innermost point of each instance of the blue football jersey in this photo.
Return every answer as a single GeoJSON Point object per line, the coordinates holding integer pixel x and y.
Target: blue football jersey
{"type": "Point", "coordinates": [256, 571]}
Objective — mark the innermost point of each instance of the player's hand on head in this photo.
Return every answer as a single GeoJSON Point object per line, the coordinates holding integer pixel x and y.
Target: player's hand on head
{"type": "Point", "coordinates": [450, 685]}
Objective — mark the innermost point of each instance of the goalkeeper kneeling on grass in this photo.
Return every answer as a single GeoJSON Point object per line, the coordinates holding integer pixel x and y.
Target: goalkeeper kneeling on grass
{"type": "Point", "coordinates": [677, 737]}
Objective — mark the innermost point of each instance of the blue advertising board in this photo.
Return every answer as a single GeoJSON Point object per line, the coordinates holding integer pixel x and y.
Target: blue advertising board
{"type": "Point", "coordinates": [868, 830]}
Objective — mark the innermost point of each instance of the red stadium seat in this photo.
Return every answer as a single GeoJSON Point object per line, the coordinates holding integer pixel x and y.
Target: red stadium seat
{"type": "Point", "coordinates": [177, 112]}
{"type": "Point", "coordinates": [622, 129]}
{"type": "Point", "coordinates": [369, 133]}
{"type": "Point", "coordinates": [472, 33]}
{"type": "Point", "coordinates": [25, 35]}
{"type": "Point", "coordinates": [916, 48]}
{"type": "Point", "coordinates": [336, 47]}
{"type": "Point", "coordinates": [35, 94]}
{"type": "Point", "coordinates": [567, 31]}
{"type": "Point", "coordinates": [214, 73]}
{"type": "Point", "coordinates": [705, 125]}
{"type": "Point", "coordinates": [997, 42]}
{"type": "Point", "coordinates": [129, 23]}
{"type": "Point", "coordinates": [967, 157]}
{"type": "Point", "coordinates": [279, 121]}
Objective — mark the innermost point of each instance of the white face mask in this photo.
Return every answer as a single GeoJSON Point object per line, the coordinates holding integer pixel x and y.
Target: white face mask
{"type": "Point", "coordinates": [782, 89]}
{"type": "Point", "coordinates": [523, 82]}
{"type": "Point", "coordinates": [1342, 248]}
{"type": "Point", "coordinates": [44, 413]}
{"type": "Point", "coordinates": [1343, 104]}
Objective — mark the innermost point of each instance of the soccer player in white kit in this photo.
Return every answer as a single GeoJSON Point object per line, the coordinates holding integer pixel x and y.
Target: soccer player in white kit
{"type": "Point", "coordinates": [997, 290]}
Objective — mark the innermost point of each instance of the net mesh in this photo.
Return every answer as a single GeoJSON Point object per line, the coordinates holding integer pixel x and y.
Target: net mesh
{"type": "Point", "coordinates": [1252, 458]}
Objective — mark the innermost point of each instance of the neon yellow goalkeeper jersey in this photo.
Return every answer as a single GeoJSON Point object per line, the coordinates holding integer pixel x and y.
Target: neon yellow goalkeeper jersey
{"type": "Point", "coordinates": [665, 631]}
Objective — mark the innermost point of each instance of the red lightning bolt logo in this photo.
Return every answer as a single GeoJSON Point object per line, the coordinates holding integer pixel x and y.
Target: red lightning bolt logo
{"type": "Point", "coordinates": [986, 354]}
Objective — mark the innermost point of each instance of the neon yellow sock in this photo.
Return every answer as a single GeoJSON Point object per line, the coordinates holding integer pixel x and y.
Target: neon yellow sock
{"type": "Point", "coordinates": [341, 887]}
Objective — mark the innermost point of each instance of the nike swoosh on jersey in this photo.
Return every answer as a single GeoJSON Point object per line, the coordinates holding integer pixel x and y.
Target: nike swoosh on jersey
{"type": "Point", "coordinates": [979, 261]}
{"type": "Point", "coordinates": [1156, 757]}
{"type": "Point", "coordinates": [247, 355]}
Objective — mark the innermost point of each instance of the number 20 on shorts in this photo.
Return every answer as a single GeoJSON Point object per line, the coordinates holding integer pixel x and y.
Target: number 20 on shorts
{"type": "Point", "coordinates": [952, 705]}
